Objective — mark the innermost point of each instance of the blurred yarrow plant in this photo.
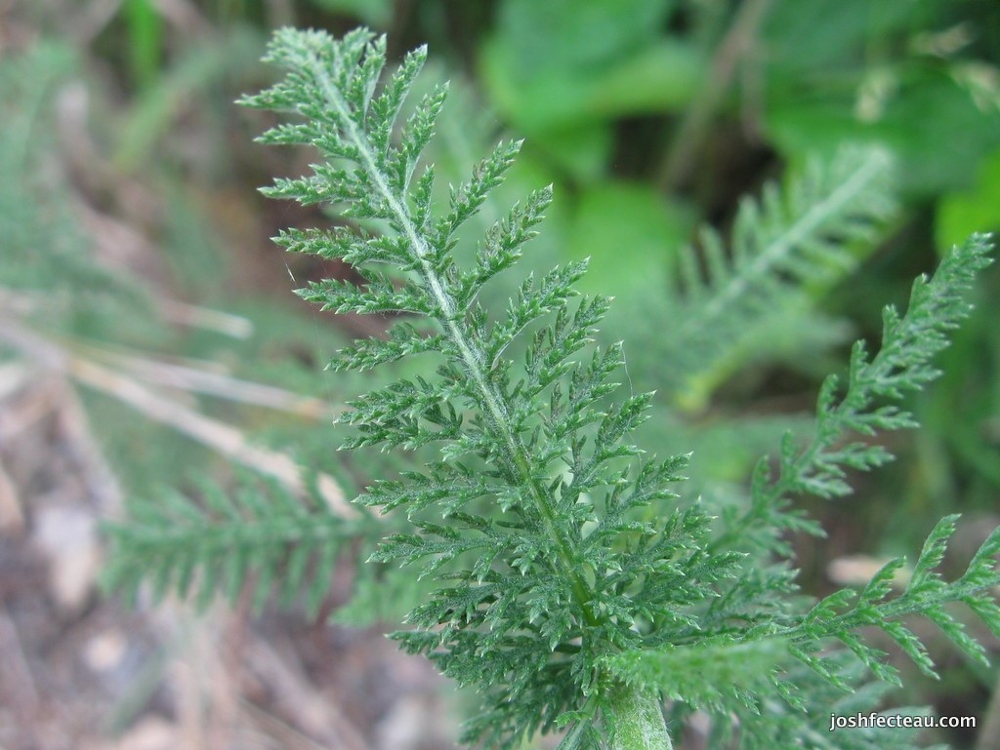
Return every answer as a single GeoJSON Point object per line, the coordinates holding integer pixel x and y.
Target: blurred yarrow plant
{"type": "Point", "coordinates": [576, 588]}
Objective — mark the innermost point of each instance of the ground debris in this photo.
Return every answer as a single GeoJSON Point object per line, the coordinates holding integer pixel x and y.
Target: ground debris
{"type": "Point", "coordinates": [78, 671]}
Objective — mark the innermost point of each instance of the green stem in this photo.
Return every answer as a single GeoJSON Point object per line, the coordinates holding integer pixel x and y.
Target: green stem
{"type": "Point", "coordinates": [638, 720]}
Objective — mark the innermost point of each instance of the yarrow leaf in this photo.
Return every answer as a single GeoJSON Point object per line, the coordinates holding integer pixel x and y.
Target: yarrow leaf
{"type": "Point", "coordinates": [574, 589]}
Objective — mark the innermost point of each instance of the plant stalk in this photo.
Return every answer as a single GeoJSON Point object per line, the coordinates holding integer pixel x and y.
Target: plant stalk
{"type": "Point", "coordinates": [638, 719]}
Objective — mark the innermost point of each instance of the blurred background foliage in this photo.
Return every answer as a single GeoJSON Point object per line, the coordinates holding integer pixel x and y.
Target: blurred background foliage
{"type": "Point", "coordinates": [132, 231]}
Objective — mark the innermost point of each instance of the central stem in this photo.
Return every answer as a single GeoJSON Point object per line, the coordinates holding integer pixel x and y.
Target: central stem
{"type": "Point", "coordinates": [638, 717]}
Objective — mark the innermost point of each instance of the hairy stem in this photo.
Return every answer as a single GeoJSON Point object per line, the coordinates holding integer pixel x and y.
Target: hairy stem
{"type": "Point", "coordinates": [638, 720]}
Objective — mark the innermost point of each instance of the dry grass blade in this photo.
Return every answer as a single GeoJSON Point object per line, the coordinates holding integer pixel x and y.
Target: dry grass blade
{"type": "Point", "coordinates": [218, 384]}
{"type": "Point", "coordinates": [219, 436]}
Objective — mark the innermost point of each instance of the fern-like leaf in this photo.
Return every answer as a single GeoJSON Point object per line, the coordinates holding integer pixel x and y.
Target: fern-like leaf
{"type": "Point", "coordinates": [927, 594]}
{"type": "Point", "coordinates": [791, 239]}
{"type": "Point", "coordinates": [259, 536]}
{"type": "Point", "coordinates": [865, 406]}
{"type": "Point", "coordinates": [572, 588]}
{"type": "Point", "coordinates": [529, 460]}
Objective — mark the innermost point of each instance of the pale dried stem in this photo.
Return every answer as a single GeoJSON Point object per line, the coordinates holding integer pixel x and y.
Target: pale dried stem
{"type": "Point", "coordinates": [220, 385]}
{"type": "Point", "coordinates": [219, 436]}
{"type": "Point", "coordinates": [206, 318]}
